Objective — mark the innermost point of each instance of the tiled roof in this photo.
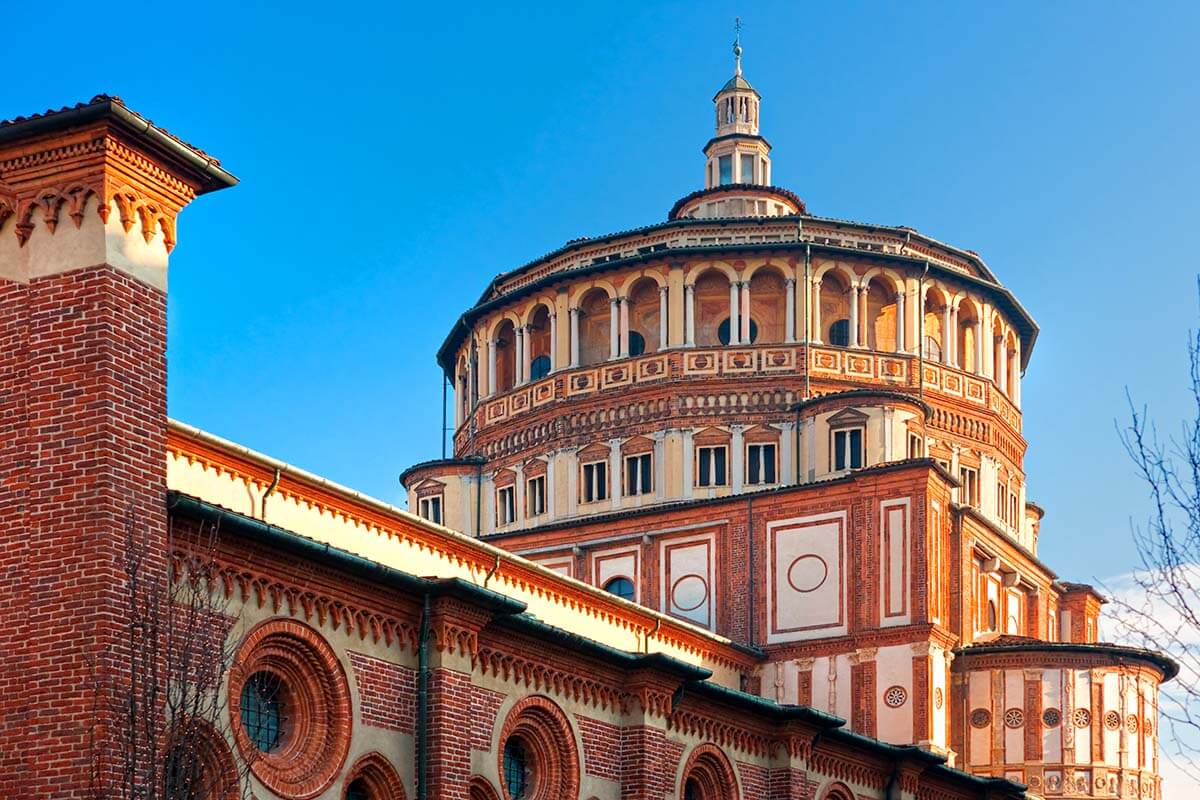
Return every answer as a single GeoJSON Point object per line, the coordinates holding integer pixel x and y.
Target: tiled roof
{"type": "Point", "coordinates": [100, 100]}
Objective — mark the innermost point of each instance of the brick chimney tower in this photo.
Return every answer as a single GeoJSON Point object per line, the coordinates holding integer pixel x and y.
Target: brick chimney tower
{"type": "Point", "coordinates": [88, 201]}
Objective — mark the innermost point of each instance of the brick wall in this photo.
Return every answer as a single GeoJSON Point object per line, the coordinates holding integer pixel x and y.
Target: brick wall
{"type": "Point", "coordinates": [387, 692]}
{"type": "Point", "coordinates": [83, 426]}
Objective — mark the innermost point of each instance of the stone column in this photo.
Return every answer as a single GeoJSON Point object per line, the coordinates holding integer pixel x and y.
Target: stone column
{"type": "Point", "coordinates": [789, 291]}
{"type": "Point", "coordinates": [955, 356]}
{"type": "Point", "coordinates": [853, 342]}
{"type": "Point", "coordinates": [623, 344]}
{"type": "Point", "coordinates": [735, 324]}
{"type": "Point", "coordinates": [947, 336]}
{"type": "Point", "coordinates": [689, 308]}
{"type": "Point", "coordinates": [1014, 390]}
{"type": "Point", "coordinates": [1003, 376]}
{"type": "Point", "coordinates": [554, 341]}
{"type": "Point", "coordinates": [745, 337]}
{"type": "Point", "coordinates": [816, 312]}
{"type": "Point", "coordinates": [686, 462]}
{"type": "Point", "coordinates": [810, 440]}
{"type": "Point", "coordinates": [519, 505]}
{"type": "Point", "coordinates": [614, 472]}
{"type": "Point", "coordinates": [614, 328]}
{"type": "Point", "coordinates": [574, 315]}
{"type": "Point", "coordinates": [978, 348]}
{"type": "Point", "coordinates": [737, 460]}
{"type": "Point", "coordinates": [520, 360]}
{"type": "Point", "coordinates": [551, 486]}
{"type": "Point", "coordinates": [491, 367]}
{"type": "Point", "coordinates": [900, 320]}
{"type": "Point", "coordinates": [663, 318]}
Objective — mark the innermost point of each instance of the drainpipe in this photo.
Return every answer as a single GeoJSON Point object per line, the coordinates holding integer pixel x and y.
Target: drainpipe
{"type": "Point", "coordinates": [807, 318]}
{"type": "Point", "coordinates": [445, 383]}
{"type": "Point", "coordinates": [921, 333]}
{"type": "Point", "coordinates": [262, 507]}
{"type": "Point", "coordinates": [478, 499]}
{"type": "Point", "coordinates": [423, 705]}
{"type": "Point", "coordinates": [750, 539]}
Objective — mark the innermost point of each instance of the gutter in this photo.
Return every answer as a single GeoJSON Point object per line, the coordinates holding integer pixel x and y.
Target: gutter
{"type": "Point", "coordinates": [206, 166]}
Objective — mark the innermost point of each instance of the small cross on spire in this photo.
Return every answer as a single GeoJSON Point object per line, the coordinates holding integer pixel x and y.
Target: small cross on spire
{"type": "Point", "coordinates": [737, 45]}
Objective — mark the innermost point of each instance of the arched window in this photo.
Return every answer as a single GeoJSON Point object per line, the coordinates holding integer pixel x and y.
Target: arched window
{"type": "Point", "coordinates": [198, 764]}
{"type": "Point", "coordinates": [839, 333]}
{"type": "Point", "coordinates": [621, 587]}
{"type": "Point", "coordinates": [516, 769]}
{"type": "Point", "coordinates": [637, 343]}
{"type": "Point", "coordinates": [708, 775]}
{"type": "Point", "coordinates": [263, 710]}
{"type": "Point", "coordinates": [539, 368]}
{"type": "Point", "coordinates": [723, 332]}
{"type": "Point", "coordinates": [691, 791]}
{"type": "Point", "coordinates": [357, 790]}
{"type": "Point", "coordinates": [933, 349]}
{"type": "Point", "coordinates": [373, 777]}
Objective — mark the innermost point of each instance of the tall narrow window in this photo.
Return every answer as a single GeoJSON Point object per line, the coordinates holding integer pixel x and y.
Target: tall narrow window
{"type": "Point", "coordinates": [638, 475]}
{"type": "Point", "coordinates": [595, 482]}
{"type": "Point", "coordinates": [726, 165]}
{"type": "Point", "coordinates": [760, 464]}
{"type": "Point", "coordinates": [747, 169]}
{"type": "Point", "coordinates": [506, 505]}
{"type": "Point", "coordinates": [431, 509]}
{"type": "Point", "coordinates": [969, 492]}
{"type": "Point", "coordinates": [848, 449]}
{"type": "Point", "coordinates": [916, 446]}
{"type": "Point", "coordinates": [535, 496]}
{"type": "Point", "coordinates": [711, 466]}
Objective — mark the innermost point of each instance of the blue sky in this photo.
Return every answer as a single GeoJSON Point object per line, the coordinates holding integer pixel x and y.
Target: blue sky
{"type": "Point", "coordinates": [395, 157]}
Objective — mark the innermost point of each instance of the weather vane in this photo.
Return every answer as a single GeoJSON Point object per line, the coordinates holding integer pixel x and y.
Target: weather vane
{"type": "Point", "coordinates": [737, 43]}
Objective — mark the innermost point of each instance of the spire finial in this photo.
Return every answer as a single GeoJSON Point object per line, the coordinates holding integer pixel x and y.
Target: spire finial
{"type": "Point", "coordinates": [737, 45]}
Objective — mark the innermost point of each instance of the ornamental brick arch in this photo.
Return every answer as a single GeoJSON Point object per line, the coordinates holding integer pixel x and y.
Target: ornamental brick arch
{"type": "Point", "coordinates": [480, 788]}
{"type": "Point", "coordinates": [199, 763]}
{"type": "Point", "coordinates": [708, 775]}
{"type": "Point", "coordinates": [314, 738]}
{"type": "Point", "coordinates": [375, 773]}
{"type": "Point", "coordinates": [630, 279]}
{"type": "Point", "coordinates": [578, 290]}
{"type": "Point", "coordinates": [540, 727]}
{"type": "Point", "coordinates": [837, 791]}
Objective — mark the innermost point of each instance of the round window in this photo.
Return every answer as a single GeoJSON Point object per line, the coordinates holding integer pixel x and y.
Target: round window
{"type": "Point", "coordinates": [1051, 717]}
{"type": "Point", "coordinates": [1081, 717]}
{"type": "Point", "coordinates": [1014, 718]}
{"type": "Point", "coordinates": [980, 718]}
{"type": "Point", "coordinates": [723, 332]}
{"type": "Point", "coordinates": [895, 697]}
{"type": "Point", "coordinates": [539, 368]}
{"type": "Point", "coordinates": [637, 343]}
{"type": "Point", "coordinates": [839, 333]}
{"type": "Point", "coordinates": [516, 769]}
{"type": "Point", "coordinates": [263, 710]}
{"type": "Point", "coordinates": [621, 587]}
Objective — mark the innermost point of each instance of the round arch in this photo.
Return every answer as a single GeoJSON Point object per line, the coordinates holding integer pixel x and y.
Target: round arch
{"type": "Point", "coordinates": [377, 775]}
{"type": "Point", "coordinates": [644, 311]}
{"type": "Point", "coordinates": [480, 788]}
{"type": "Point", "coordinates": [708, 775]}
{"type": "Point", "coordinates": [783, 267]}
{"type": "Point", "coordinates": [581, 290]}
{"type": "Point", "coordinates": [632, 278]}
{"type": "Point", "coordinates": [768, 286]}
{"type": "Point", "coordinates": [697, 271]}
{"type": "Point", "coordinates": [594, 325]}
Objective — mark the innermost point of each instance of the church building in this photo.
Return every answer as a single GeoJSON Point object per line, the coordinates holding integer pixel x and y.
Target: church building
{"type": "Point", "coordinates": [736, 510]}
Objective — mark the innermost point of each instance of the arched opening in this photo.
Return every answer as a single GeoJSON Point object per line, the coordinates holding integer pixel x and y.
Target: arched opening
{"type": "Point", "coordinates": [768, 306]}
{"type": "Point", "coordinates": [505, 340]}
{"type": "Point", "coordinates": [710, 298]}
{"type": "Point", "coordinates": [198, 764]}
{"type": "Point", "coordinates": [594, 327]}
{"type": "Point", "coordinates": [835, 310]}
{"type": "Point", "coordinates": [373, 777]}
{"type": "Point", "coordinates": [968, 335]}
{"type": "Point", "coordinates": [708, 776]}
{"type": "Point", "coordinates": [644, 322]}
{"type": "Point", "coordinates": [933, 342]}
{"type": "Point", "coordinates": [881, 315]}
{"type": "Point", "coordinates": [462, 389]}
{"type": "Point", "coordinates": [481, 789]}
{"type": "Point", "coordinates": [539, 343]}
{"type": "Point", "coordinates": [621, 587]}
